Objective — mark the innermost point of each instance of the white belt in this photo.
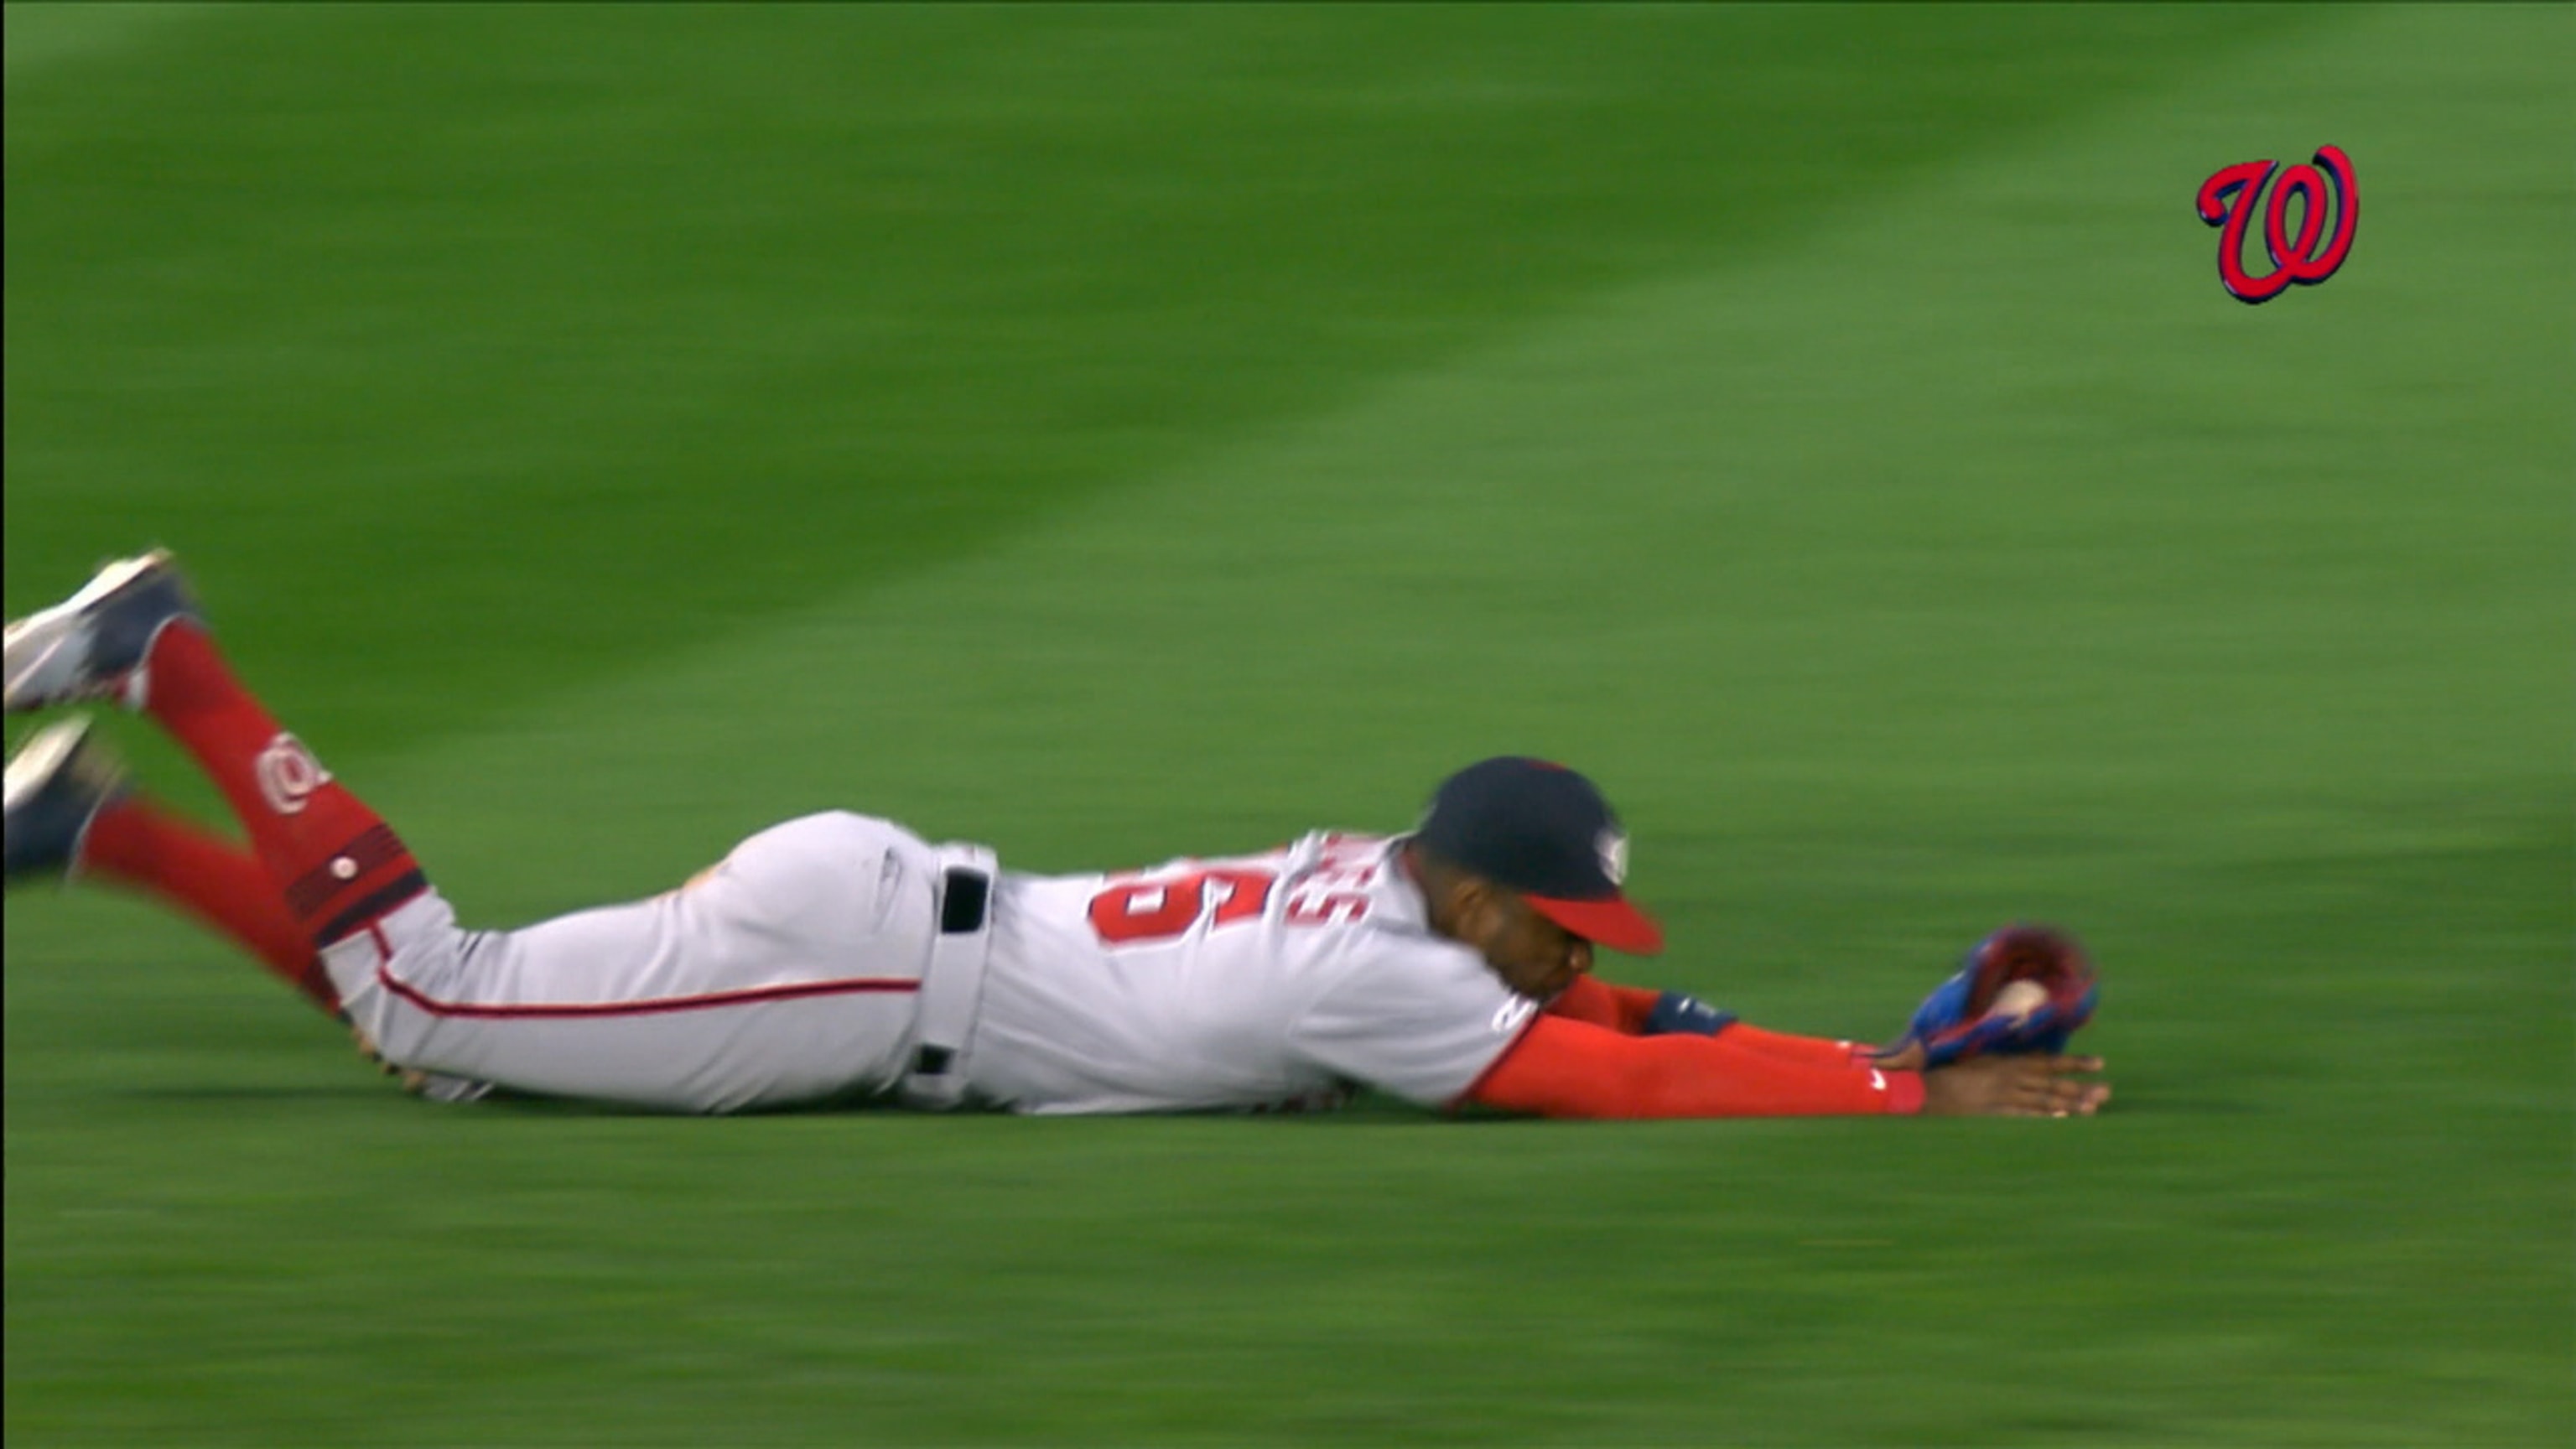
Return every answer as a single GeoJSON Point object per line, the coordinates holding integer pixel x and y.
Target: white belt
{"type": "Point", "coordinates": [953, 982]}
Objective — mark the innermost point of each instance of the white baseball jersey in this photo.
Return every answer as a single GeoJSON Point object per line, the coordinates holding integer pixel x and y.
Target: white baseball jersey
{"type": "Point", "coordinates": [1278, 980]}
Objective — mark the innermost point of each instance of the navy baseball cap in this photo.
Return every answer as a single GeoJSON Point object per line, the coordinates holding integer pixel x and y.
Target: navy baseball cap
{"type": "Point", "coordinates": [1544, 831]}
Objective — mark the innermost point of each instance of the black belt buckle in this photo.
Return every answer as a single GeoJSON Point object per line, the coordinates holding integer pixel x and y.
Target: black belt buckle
{"type": "Point", "coordinates": [964, 895]}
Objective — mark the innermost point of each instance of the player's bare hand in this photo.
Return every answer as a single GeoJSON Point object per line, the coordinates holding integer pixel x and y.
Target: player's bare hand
{"type": "Point", "coordinates": [2021, 1086]}
{"type": "Point", "coordinates": [1904, 1055]}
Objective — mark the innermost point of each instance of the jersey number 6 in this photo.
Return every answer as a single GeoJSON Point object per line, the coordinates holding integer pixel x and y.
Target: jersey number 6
{"type": "Point", "coordinates": [1158, 910]}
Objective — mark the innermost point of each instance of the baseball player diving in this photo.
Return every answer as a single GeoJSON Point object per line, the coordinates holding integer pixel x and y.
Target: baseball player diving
{"type": "Point", "coordinates": [840, 957]}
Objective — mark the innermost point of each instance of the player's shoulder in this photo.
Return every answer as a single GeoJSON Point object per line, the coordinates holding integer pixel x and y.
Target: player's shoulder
{"type": "Point", "coordinates": [1379, 972]}
{"type": "Point", "coordinates": [1338, 877]}
{"type": "Point", "coordinates": [1354, 891]}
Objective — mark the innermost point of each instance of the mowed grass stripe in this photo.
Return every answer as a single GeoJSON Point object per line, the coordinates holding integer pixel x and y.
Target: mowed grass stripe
{"type": "Point", "coordinates": [1718, 538]}
{"type": "Point", "coordinates": [1969, 543]}
{"type": "Point", "coordinates": [41, 37]}
{"type": "Point", "coordinates": [608, 331]}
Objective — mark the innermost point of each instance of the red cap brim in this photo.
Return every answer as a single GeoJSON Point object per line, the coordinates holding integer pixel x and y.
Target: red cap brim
{"type": "Point", "coordinates": [1613, 923]}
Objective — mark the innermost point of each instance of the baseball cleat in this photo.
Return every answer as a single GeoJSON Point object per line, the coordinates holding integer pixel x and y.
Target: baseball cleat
{"type": "Point", "coordinates": [57, 784]}
{"type": "Point", "coordinates": [92, 645]}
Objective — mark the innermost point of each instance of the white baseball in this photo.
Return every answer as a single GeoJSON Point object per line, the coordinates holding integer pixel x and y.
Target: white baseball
{"type": "Point", "coordinates": [2019, 999]}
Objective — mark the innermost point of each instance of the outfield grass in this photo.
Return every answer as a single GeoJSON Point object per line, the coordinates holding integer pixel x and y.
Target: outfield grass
{"type": "Point", "coordinates": [1112, 433]}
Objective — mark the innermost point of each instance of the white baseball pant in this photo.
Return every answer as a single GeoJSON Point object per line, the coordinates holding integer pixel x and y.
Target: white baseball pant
{"type": "Point", "coordinates": [787, 974]}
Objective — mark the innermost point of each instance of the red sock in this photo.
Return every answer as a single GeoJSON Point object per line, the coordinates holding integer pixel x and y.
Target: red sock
{"type": "Point", "coordinates": [137, 844]}
{"type": "Point", "coordinates": [336, 864]}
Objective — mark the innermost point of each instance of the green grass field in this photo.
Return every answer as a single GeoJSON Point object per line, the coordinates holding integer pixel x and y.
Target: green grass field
{"type": "Point", "coordinates": [1117, 433]}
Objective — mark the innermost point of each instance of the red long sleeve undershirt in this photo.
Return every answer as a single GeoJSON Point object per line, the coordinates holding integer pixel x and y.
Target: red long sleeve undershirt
{"type": "Point", "coordinates": [1582, 1058]}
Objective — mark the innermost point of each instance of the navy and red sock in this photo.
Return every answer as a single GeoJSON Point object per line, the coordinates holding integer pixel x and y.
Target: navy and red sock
{"type": "Point", "coordinates": [335, 865]}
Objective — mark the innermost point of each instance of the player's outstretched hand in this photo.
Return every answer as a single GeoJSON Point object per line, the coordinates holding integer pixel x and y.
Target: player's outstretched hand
{"type": "Point", "coordinates": [2022, 1086]}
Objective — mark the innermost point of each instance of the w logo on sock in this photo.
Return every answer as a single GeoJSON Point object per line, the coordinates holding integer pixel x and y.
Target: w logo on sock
{"type": "Point", "coordinates": [288, 774]}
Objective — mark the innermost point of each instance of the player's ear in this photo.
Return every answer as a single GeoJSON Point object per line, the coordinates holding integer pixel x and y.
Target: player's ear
{"type": "Point", "coordinates": [1470, 897]}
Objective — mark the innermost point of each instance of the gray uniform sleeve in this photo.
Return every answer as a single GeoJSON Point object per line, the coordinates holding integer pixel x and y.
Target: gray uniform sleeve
{"type": "Point", "coordinates": [1422, 1019]}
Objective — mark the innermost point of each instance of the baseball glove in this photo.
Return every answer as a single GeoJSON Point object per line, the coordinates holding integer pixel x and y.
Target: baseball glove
{"type": "Point", "coordinates": [1959, 1018]}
